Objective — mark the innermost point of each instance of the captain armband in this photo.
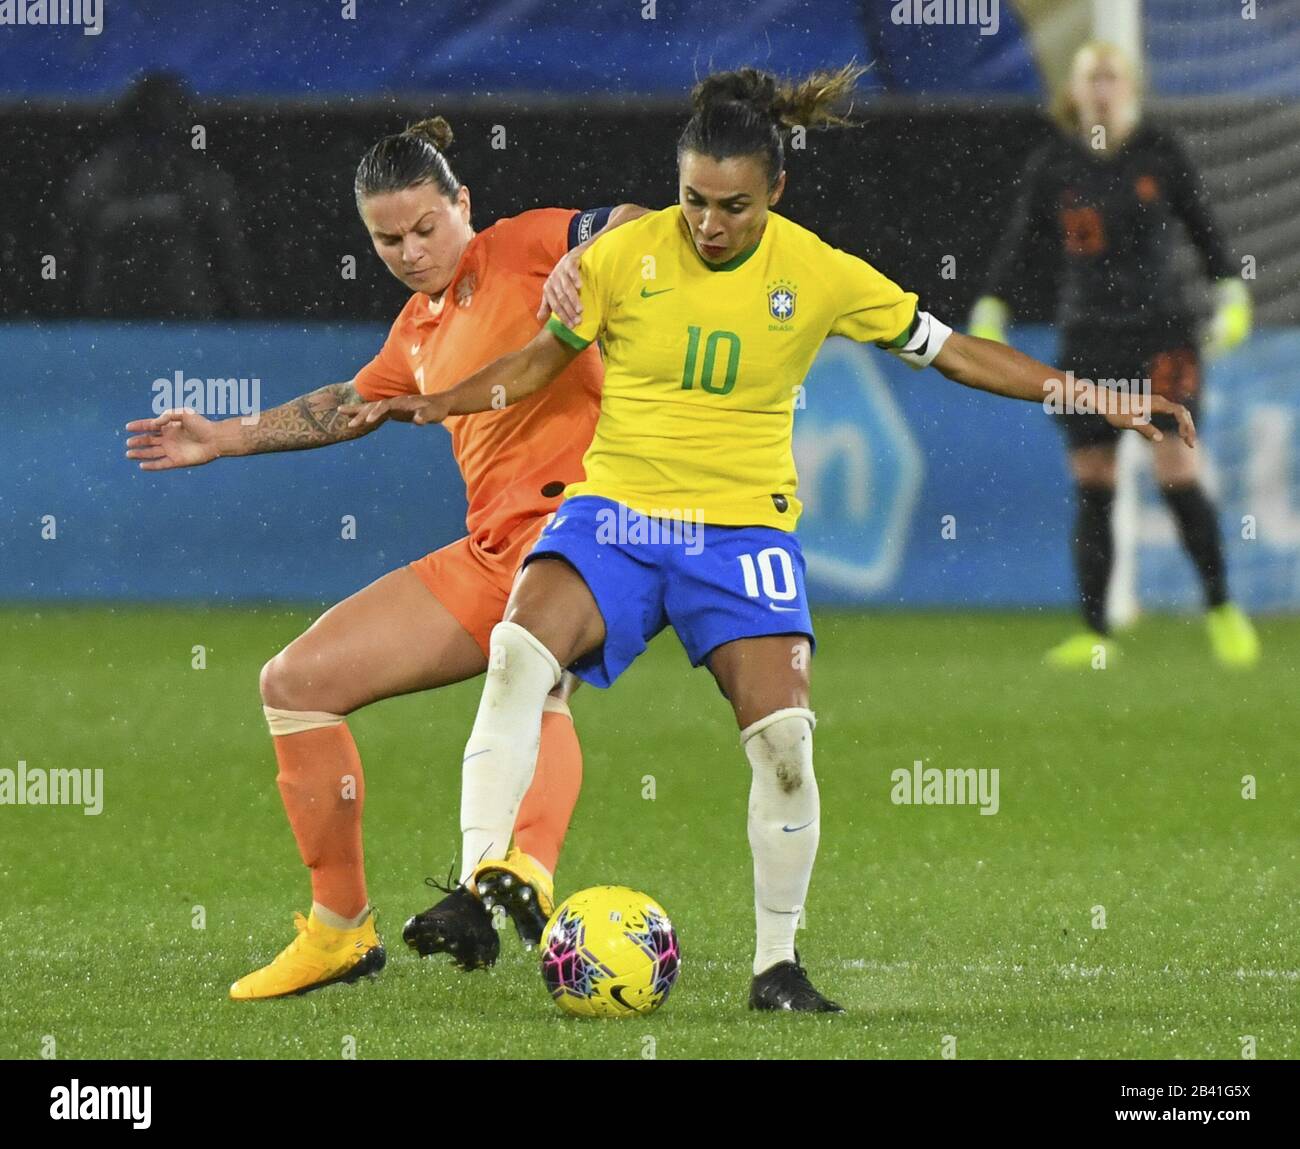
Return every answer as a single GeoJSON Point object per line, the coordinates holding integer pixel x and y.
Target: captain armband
{"type": "Point", "coordinates": [919, 345]}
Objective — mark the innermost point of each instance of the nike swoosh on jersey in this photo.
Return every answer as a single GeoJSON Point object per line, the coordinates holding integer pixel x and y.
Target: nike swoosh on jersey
{"type": "Point", "coordinates": [786, 609]}
{"type": "Point", "coordinates": [651, 294]}
{"type": "Point", "coordinates": [796, 829]}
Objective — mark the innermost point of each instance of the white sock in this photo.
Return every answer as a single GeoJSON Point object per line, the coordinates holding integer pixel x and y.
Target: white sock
{"type": "Point", "coordinates": [784, 826]}
{"type": "Point", "coordinates": [501, 753]}
{"type": "Point", "coordinates": [337, 921]}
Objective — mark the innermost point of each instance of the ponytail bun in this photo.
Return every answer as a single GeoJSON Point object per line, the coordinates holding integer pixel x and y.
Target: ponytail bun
{"type": "Point", "coordinates": [408, 159]}
{"type": "Point", "coordinates": [434, 130]}
{"type": "Point", "coordinates": [743, 86]}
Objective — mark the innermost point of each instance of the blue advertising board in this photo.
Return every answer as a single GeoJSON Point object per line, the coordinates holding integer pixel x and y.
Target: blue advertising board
{"type": "Point", "coordinates": [918, 492]}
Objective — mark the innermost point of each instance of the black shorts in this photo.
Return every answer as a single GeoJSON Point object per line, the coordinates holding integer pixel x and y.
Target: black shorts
{"type": "Point", "coordinates": [1168, 357]}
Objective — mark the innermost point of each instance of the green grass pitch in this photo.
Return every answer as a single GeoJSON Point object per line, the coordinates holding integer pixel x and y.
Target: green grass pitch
{"type": "Point", "coordinates": [1119, 789]}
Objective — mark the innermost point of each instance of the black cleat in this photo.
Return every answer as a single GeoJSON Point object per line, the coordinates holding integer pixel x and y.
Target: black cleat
{"type": "Point", "coordinates": [519, 886]}
{"type": "Point", "coordinates": [785, 986]}
{"type": "Point", "coordinates": [459, 925]}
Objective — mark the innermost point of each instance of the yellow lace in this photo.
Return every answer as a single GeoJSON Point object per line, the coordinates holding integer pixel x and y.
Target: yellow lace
{"type": "Point", "coordinates": [291, 950]}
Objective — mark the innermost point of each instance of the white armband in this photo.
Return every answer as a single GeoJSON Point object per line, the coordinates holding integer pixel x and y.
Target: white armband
{"type": "Point", "coordinates": [925, 341]}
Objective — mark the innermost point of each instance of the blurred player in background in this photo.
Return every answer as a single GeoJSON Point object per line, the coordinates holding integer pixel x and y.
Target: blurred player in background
{"type": "Point", "coordinates": [426, 625]}
{"type": "Point", "coordinates": [155, 227]}
{"type": "Point", "coordinates": [710, 312]}
{"type": "Point", "coordinates": [1106, 193]}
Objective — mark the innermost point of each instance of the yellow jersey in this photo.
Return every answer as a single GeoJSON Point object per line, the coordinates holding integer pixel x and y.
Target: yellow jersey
{"type": "Point", "coordinates": [703, 363]}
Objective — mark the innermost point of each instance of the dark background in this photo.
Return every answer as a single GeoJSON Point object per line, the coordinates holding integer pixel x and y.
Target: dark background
{"type": "Point", "coordinates": [903, 189]}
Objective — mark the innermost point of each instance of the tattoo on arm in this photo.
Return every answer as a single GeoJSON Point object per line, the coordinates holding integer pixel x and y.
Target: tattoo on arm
{"type": "Point", "coordinates": [311, 420]}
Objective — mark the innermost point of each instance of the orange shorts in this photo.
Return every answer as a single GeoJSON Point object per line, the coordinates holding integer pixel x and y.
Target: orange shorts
{"type": "Point", "coordinates": [474, 583]}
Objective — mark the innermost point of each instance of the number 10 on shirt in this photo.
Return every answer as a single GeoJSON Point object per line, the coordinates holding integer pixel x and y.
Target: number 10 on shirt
{"type": "Point", "coordinates": [711, 344]}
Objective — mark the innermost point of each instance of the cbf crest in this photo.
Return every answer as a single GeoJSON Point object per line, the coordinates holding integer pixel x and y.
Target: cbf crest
{"type": "Point", "coordinates": [781, 302]}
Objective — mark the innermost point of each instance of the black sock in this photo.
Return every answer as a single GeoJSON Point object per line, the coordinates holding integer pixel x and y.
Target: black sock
{"type": "Point", "coordinates": [1198, 523]}
{"type": "Point", "coordinates": [1094, 552]}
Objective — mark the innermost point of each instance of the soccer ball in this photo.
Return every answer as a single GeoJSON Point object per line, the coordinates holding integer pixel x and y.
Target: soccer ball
{"type": "Point", "coordinates": [609, 952]}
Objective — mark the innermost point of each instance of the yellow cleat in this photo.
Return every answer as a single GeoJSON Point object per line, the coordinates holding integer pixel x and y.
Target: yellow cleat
{"type": "Point", "coordinates": [1081, 651]}
{"type": "Point", "coordinates": [1232, 636]}
{"type": "Point", "coordinates": [521, 886]}
{"type": "Point", "coordinates": [320, 955]}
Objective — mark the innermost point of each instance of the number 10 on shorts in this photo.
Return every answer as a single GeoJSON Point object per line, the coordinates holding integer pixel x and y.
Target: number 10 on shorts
{"type": "Point", "coordinates": [773, 568]}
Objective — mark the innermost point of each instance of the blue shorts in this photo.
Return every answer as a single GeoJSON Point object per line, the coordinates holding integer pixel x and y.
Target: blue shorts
{"type": "Point", "coordinates": [711, 584]}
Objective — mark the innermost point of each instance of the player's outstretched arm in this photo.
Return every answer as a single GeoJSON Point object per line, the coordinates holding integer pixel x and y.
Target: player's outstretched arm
{"type": "Point", "coordinates": [1003, 370]}
{"type": "Point", "coordinates": [184, 438]}
{"type": "Point", "coordinates": [502, 382]}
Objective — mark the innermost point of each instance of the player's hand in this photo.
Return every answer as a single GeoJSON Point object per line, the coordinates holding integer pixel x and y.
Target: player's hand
{"type": "Point", "coordinates": [988, 319]}
{"type": "Point", "coordinates": [178, 437]}
{"type": "Point", "coordinates": [1141, 421]}
{"type": "Point", "coordinates": [1232, 320]}
{"type": "Point", "coordinates": [419, 409]}
{"type": "Point", "coordinates": [563, 291]}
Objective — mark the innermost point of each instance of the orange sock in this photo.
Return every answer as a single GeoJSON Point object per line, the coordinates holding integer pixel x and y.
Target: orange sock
{"type": "Point", "coordinates": [324, 790]}
{"type": "Point", "coordinates": [544, 814]}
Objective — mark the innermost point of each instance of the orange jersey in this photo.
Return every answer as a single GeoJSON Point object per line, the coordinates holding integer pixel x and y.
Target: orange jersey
{"type": "Point", "coordinates": [516, 462]}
